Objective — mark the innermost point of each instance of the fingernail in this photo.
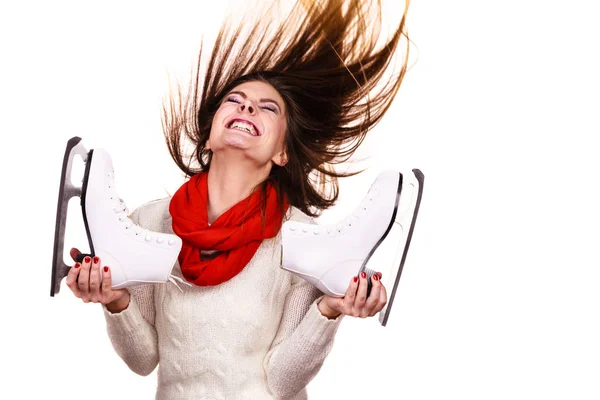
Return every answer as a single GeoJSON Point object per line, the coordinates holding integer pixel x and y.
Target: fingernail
{"type": "Point", "coordinates": [363, 274]}
{"type": "Point", "coordinates": [356, 279]}
{"type": "Point", "coordinates": [96, 260]}
{"type": "Point", "coordinates": [375, 277]}
{"type": "Point", "coordinates": [77, 265]}
{"type": "Point", "coordinates": [87, 259]}
{"type": "Point", "coordinates": [380, 275]}
{"type": "Point", "coordinates": [105, 269]}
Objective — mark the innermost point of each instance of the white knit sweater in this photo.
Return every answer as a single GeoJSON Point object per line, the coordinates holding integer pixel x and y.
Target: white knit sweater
{"type": "Point", "coordinates": [257, 336]}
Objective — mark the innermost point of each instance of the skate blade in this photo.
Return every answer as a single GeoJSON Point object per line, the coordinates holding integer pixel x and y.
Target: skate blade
{"type": "Point", "coordinates": [66, 192]}
{"type": "Point", "coordinates": [406, 217]}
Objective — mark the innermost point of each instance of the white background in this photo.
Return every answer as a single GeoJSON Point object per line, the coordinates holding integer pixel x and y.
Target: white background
{"type": "Point", "coordinates": [499, 297]}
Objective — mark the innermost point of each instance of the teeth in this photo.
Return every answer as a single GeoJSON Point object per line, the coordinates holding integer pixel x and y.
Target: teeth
{"type": "Point", "coordinates": [244, 126]}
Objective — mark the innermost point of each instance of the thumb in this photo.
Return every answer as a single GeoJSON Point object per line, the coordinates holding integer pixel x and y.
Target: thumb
{"type": "Point", "coordinates": [74, 253]}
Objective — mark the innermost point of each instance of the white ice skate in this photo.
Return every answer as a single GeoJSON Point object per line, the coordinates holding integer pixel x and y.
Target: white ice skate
{"type": "Point", "coordinates": [329, 256]}
{"type": "Point", "coordinates": [135, 255]}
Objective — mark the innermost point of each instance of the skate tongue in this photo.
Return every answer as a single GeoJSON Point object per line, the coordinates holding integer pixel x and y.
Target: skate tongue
{"type": "Point", "coordinates": [174, 279]}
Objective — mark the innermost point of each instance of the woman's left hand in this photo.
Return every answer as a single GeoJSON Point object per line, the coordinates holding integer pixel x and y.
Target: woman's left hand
{"type": "Point", "coordinates": [355, 302]}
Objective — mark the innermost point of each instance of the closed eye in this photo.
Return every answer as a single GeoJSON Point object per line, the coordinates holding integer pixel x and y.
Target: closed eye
{"type": "Point", "coordinates": [233, 99]}
{"type": "Point", "coordinates": [270, 108]}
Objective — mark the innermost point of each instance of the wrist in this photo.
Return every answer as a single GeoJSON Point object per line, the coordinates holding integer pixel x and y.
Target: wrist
{"type": "Point", "coordinates": [327, 311]}
{"type": "Point", "coordinates": [119, 304]}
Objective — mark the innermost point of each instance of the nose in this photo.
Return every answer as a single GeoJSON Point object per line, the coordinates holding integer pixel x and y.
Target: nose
{"type": "Point", "coordinates": [247, 105]}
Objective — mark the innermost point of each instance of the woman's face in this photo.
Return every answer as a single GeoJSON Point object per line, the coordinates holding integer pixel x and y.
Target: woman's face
{"type": "Point", "coordinates": [251, 121]}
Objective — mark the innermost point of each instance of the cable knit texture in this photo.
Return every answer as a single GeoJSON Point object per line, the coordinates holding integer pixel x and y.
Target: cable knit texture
{"type": "Point", "coordinates": [257, 336]}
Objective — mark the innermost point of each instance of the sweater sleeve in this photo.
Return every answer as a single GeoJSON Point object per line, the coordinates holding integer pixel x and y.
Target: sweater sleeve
{"type": "Point", "coordinates": [132, 332]}
{"type": "Point", "coordinates": [302, 343]}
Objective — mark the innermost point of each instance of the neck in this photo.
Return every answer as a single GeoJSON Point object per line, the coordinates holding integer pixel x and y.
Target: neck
{"type": "Point", "coordinates": [229, 182]}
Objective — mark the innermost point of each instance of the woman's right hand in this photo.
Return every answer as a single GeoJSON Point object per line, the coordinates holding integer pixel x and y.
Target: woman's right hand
{"type": "Point", "coordinates": [84, 281]}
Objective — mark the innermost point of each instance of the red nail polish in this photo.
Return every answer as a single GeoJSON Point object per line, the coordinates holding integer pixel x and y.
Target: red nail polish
{"type": "Point", "coordinates": [375, 277]}
{"type": "Point", "coordinates": [356, 279]}
{"type": "Point", "coordinates": [105, 269]}
{"type": "Point", "coordinates": [87, 259]}
{"type": "Point", "coordinates": [96, 259]}
{"type": "Point", "coordinates": [363, 274]}
{"type": "Point", "coordinates": [77, 265]}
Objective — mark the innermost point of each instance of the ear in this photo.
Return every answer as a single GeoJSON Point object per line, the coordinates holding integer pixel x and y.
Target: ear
{"type": "Point", "coordinates": [280, 158]}
{"type": "Point", "coordinates": [207, 145]}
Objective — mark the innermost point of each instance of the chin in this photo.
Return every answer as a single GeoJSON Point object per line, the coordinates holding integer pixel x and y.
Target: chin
{"type": "Point", "coordinates": [236, 143]}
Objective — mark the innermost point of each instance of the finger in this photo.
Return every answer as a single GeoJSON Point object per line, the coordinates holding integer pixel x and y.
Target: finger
{"type": "Point", "coordinates": [380, 275]}
{"type": "Point", "coordinates": [348, 301]}
{"type": "Point", "coordinates": [74, 253]}
{"type": "Point", "coordinates": [84, 279]}
{"type": "Point", "coordinates": [373, 301]}
{"type": "Point", "coordinates": [361, 294]}
{"type": "Point", "coordinates": [72, 279]}
{"type": "Point", "coordinates": [382, 298]}
{"type": "Point", "coordinates": [107, 292]}
{"type": "Point", "coordinates": [95, 295]}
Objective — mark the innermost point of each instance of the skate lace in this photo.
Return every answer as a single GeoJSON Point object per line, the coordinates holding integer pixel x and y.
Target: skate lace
{"type": "Point", "coordinates": [358, 213]}
{"type": "Point", "coordinates": [123, 212]}
{"type": "Point", "coordinates": [174, 279]}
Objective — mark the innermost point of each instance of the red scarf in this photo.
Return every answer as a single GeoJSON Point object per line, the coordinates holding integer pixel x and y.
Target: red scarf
{"type": "Point", "coordinates": [235, 235]}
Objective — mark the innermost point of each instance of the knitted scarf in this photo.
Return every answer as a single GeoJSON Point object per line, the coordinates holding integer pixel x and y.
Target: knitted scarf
{"type": "Point", "coordinates": [233, 238]}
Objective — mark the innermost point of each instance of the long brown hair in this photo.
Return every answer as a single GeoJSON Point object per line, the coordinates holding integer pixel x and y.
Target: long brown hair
{"type": "Point", "coordinates": [324, 60]}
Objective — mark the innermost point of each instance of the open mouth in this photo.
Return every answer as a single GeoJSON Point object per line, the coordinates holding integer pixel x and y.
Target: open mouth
{"type": "Point", "coordinates": [244, 126]}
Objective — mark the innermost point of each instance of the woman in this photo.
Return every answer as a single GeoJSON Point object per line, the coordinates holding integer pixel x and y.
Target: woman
{"type": "Point", "coordinates": [276, 110]}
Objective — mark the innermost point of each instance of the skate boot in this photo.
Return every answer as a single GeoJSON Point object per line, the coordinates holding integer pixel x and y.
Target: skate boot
{"type": "Point", "coordinates": [135, 255]}
{"type": "Point", "coordinates": [329, 256]}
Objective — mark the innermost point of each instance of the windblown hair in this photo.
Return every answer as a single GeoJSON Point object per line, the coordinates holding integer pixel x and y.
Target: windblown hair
{"type": "Point", "coordinates": [324, 61]}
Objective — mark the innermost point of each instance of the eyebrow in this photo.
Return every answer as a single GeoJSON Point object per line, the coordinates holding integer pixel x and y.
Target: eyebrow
{"type": "Point", "coordinates": [265, 100]}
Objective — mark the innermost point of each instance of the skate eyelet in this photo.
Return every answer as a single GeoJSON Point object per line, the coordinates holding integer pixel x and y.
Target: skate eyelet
{"type": "Point", "coordinates": [159, 239]}
{"type": "Point", "coordinates": [148, 238]}
{"type": "Point", "coordinates": [171, 242]}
